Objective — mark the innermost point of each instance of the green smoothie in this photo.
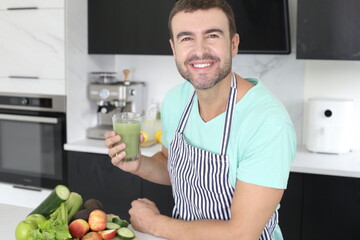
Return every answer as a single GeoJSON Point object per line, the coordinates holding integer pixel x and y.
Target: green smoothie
{"type": "Point", "coordinates": [129, 131]}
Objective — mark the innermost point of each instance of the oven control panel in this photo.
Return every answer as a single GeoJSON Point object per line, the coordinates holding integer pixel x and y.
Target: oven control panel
{"type": "Point", "coordinates": [33, 102]}
{"type": "Point", "coordinates": [26, 101]}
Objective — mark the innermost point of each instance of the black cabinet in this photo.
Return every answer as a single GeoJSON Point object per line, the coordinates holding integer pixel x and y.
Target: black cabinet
{"type": "Point", "coordinates": [320, 207]}
{"type": "Point", "coordinates": [160, 194]}
{"type": "Point", "coordinates": [94, 176]}
{"type": "Point", "coordinates": [328, 29]}
{"type": "Point", "coordinates": [291, 207]}
{"type": "Point", "coordinates": [331, 207]}
{"type": "Point", "coordinates": [129, 27]}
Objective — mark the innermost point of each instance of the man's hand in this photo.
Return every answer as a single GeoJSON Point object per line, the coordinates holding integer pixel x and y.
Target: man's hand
{"type": "Point", "coordinates": [143, 213]}
{"type": "Point", "coordinates": [117, 153]}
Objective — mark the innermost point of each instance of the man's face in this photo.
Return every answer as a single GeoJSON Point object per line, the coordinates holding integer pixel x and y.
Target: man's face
{"type": "Point", "coordinates": [202, 46]}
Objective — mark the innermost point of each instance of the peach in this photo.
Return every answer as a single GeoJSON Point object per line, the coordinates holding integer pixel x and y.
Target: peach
{"type": "Point", "coordinates": [108, 234]}
{"type": "Point", "coordinates": [97, 220]}
{"type": "Point", "coordinates": [78, 228]}
{"type": "Point", "coordinates": [92, 236]}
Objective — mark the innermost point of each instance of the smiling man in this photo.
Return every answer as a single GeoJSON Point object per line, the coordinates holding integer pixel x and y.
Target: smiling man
{"type": "Point", "coordinates": [203, 56]}
{"type": "Point", "coordinates": [228, 143]}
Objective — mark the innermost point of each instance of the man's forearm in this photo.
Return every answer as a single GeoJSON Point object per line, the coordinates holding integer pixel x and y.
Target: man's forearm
{"type": "Point", "coordinates": [174, 229]}
{"type": "Point", "coordinates": [154, 169]}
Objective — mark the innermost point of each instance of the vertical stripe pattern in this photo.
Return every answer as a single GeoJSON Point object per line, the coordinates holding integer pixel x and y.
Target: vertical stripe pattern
{"type": "Point", "coordinates": [199, 178]}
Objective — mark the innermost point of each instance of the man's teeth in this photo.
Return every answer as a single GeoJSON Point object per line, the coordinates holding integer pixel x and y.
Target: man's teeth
{"type": "Point", "coordinates": [202, 65]}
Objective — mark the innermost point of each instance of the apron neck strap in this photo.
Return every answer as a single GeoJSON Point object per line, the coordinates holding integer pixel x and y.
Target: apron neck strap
{"type": "Point", "coordinates": [228, 118]}
{"type": "Point", "coordinates": [185, 115]}
{"type": "Point", "coordinates": [229, 115]}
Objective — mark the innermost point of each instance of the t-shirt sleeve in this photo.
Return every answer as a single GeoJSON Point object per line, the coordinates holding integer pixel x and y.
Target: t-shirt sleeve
{"type": "Point", "coordinates": [268, 156]}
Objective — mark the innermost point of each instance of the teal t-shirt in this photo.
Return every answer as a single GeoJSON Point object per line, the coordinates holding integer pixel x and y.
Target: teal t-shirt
{"type": "Point", "coordinates": [262, 142]}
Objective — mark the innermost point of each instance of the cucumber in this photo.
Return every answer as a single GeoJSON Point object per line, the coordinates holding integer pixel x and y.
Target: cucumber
{"type": "Point", "coordinates": [111, 225]}
{"type": "Point", "coordinates": [126, 233]}
{"type": "Point", "coordinates": [121, 222]}
{"type": "Point", "coordinates": [110, 217]}
{"type": "Point", "coordinates": [59, 195]}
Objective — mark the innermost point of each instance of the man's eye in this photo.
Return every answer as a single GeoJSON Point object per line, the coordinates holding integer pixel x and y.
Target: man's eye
{"type": "Point", "coordinates": [185, 39]}
{"type": "Point", "coordinates": [213, 36]}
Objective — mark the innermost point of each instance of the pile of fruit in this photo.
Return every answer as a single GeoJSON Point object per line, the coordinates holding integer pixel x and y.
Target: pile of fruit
{"type": "Point", "coordinates": [63, 215]}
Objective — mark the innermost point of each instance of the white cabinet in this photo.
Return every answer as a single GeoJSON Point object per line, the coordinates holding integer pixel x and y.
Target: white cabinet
{"type": "Point", "coordinates": [22, 197]}
{"type": "Point", "coordinates": [5, 4]}
{"type": "Point", "coordinates": [32, 46]}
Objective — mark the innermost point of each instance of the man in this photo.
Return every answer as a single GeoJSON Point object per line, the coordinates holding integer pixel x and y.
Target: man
{"type": "Point", "coordinates": [228, 144]}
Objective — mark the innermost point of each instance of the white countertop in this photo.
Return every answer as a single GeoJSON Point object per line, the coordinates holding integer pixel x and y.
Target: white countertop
{"type": "Point", "coordinates": [11, 215]}
{"type": "Point", "coordinates": [345, 165]}
{"type": "Point", "coordinates": [97, 146]}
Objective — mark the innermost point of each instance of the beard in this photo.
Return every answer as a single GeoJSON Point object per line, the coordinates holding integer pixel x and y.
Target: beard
{"type": "Point", "coordinates": [204, 81]}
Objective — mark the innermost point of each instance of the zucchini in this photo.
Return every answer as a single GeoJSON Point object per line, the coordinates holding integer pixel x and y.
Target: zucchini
{"type": "Point", "coordinates": [59, 195]}
{"type": "Point", "coordinates": [126, 233]}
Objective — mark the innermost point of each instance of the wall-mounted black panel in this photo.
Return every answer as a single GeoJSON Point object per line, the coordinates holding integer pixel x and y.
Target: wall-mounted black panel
{"type": "Point", "coordinates": [328, 29]}
{"type": "Point", "coordinates": [140, 26]}
{"type": "Point", "coordinates": [129, 26]}
{"type": "Point", "coordinates": [263, 26]}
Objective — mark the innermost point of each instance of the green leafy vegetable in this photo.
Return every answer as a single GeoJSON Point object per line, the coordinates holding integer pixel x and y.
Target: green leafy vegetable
{"type": "Point", "coordinates": [55, 228]}
{"type": "Point", "coordinates": [73, 204]}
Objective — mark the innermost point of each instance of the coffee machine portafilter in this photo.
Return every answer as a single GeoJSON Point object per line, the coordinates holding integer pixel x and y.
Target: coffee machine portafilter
{"type": "Point", "coordinates": [117, 96]}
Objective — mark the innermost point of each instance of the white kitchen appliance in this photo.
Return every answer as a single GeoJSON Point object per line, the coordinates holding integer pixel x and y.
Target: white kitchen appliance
{"type": "Point", "coordinates": [330, 125]}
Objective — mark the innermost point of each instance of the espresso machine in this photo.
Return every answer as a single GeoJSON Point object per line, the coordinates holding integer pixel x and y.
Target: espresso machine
{"type": "Point", "coordinates": [111, 96]}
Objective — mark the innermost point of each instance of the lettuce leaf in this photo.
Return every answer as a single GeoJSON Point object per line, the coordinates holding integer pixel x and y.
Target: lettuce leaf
{"type": "Point", "coordinates": [55, 228]}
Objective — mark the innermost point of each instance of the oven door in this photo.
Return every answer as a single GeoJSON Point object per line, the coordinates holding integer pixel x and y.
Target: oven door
{"type": "Point", "coordinates": [31, 148]}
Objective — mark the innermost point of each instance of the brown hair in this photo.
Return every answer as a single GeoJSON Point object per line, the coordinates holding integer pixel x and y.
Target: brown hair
{"type": "Point", "coordinates": [193, 5]}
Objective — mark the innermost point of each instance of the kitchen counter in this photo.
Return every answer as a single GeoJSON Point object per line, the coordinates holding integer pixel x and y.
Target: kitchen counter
{"type": "Point", "coordinates": [344, 165]}
{"type": "Point", "coordinates": [11, 215]}
{"type": "Point", "coordinates": [97, 146]}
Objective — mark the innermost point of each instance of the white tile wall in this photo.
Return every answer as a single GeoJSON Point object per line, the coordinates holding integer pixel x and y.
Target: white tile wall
{"type": "Point", "coordinates": [292, 81]}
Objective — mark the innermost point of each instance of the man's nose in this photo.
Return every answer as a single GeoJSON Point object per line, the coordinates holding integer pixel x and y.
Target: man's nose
{"type": "Point", "coordinates": [201, 46]}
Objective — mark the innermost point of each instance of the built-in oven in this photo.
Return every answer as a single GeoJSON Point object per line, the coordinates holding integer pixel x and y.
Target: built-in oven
{"type": "Point", "coordinates": [32, 137]}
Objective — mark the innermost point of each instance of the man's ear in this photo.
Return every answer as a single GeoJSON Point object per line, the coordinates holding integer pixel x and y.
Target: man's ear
{"type": "Point", "coordinates": [235, 44]}
{"type": "Point", "coordinates": [172, 46]}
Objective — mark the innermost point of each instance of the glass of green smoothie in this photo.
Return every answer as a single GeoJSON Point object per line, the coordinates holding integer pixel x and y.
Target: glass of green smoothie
{"type": "Point", "coordinates": [127, 125]}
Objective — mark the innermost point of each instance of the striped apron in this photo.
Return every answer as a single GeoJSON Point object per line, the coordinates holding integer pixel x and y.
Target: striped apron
{"type": "Point", "coordinates": [199, 178]}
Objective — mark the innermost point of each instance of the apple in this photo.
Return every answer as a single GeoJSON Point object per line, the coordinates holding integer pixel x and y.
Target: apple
{"type": "Point", "coordinates": [78, 228]}
{"type": "Point", "coordinates": [92, 236]}
{"type": "Point", "coordinates": [108, 234]}
{"type": "Point", "coordinates": [97, 220]}
{"type": "Point", "coordinates": [36, 218]}
{"type": "Point", "coordinates": [22, 231]}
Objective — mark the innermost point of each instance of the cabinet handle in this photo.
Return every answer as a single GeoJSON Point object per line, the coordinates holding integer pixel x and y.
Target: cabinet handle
{"type": "Point", "coordinates": [25, 77]}
{"type": "Point", "coordinates": [25, 118]}
{"type": "Point", "coordinates": [22, 8]}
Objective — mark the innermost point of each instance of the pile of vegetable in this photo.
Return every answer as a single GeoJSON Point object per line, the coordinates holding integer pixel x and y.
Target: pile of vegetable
{"type": "Point", "coordinates": [63, 215]}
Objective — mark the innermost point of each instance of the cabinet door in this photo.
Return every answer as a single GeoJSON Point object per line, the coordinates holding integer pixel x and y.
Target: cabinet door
{"type": "Point", "coordinates": [331, 207]}
{"type": "Point", "coordinates": [129, 26]}
{"type": "Point", "coordinates": [32, 43]}
{"type": "Point", "coordinates": [161, 195]}
{"type": "Point", "coordinates": [291, 206]}
{"type": "Point", "coordinates": [93, 176]}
